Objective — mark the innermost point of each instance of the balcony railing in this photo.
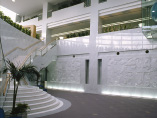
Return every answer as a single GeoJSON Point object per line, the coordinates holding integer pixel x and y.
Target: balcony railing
{"type": "Point", "coordinates": [124, 25]}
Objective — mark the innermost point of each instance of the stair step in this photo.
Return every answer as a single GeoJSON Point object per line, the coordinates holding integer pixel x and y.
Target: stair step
{"type": "Point", "coordinates": [37, 114]}
{"type": "Point", "coordinates": [38, 100]}
{"type": "Point", "coordinates": [46, 98]}
{"type": "Point", "coordinates": [22, 98]}
{"type": "Point", "coordinates": [20, 90]}
{"type": "Point", "coordinates": [39, 91]}
{"type": "Point", "coordinates": [44, 108]}
{"type": "Point", "coordinates": [52, 101]}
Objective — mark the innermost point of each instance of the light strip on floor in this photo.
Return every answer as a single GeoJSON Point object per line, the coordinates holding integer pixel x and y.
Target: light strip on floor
{"type": "Point", "coordinates": [134, 95]}
{"type": "Point", "coordinates": [66, 89]}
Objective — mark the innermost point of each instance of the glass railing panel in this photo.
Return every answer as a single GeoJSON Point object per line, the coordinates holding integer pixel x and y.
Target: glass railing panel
{"type": "Point", "coordinates": [39, 17]}
{"type": "Point", "coordinates": [38, 52]}
{"type": "Point", "coordinates": [149, 18]}
{"type": "Point", "coordinates": [49, 13]}
{"type": "Point", "coordinates": [32, 56]}
{"type": "Point", "coordinates": [44, 51]}
{"type": "Point", "coordinates": [87, 3]}
{"type": "Point", "coordinates": [28, 60]}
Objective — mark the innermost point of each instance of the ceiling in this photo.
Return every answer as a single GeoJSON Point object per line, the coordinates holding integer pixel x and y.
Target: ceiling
{"type": "Point", "coordinates": [26, 7]}
{"type": "Point", "coordinates": [122, 16]}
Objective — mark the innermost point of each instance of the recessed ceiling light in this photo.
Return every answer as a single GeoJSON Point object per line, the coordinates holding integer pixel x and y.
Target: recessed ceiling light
{"type": "Point", "coordinates": [13, 0]}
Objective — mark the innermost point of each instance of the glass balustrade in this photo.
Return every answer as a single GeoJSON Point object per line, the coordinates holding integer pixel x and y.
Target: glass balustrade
{"type": "Point", "coordinates": [39, 17]}
{"type": "Point", "coordinates": [39, 52]}
{"type": "Point", "coordinates": [149, 18]}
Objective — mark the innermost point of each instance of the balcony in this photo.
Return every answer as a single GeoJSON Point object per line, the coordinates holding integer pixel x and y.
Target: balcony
{"type": "Point", "coordinates": [67, 4]}
{"type": "Point", "coordinates": [62, 11]}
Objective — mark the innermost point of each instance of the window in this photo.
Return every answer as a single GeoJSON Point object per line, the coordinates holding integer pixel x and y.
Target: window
{"type": "Point", "coordinates": [100, 1]}
{"type": "Point", "coordinates": [87, 72]}
{"type": "Point", "coordinates": [87, 3]}
{"type": "Point", "coordinates": [99, 71]}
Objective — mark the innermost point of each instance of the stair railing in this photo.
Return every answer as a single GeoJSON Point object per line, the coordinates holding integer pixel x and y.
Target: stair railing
{"type": "Point", "coordinates": [7, 83]}
{"type": "Point", "coordinates": [43, 50]}
{"type": "Point", "coordinates": [29, 57]}
{"type": "Point", "coordinates": [6, 88]}
{"type": "Point", "coordinates": [46, 48]}
{"type": "Point", "coordinates": [23, 49]}
{"type": "Point", "coordinates": [13, 54]}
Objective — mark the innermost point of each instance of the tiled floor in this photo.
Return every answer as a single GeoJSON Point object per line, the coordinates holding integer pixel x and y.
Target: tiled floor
{"type": "Point", "coordinates": [100, 106]}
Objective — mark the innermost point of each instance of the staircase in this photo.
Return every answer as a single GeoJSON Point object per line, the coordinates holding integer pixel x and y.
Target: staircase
{"type": "Point", "coordinates": [38, 100]}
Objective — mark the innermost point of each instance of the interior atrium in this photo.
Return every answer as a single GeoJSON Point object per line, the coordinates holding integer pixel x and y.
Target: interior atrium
{"type": "Point", "coordinates": [92, 47]}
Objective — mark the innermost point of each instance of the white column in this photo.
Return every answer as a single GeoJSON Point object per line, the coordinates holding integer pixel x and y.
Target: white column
{"type": "Point", "coordinates": [93, 69]}
{"type": "Point", "coordinates": [45, 8]}
{"type": "Point", "coordinates": [44, 18]}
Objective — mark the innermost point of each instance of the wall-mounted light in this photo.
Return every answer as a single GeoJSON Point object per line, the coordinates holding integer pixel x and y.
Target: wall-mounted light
{"type": "Point", "coordinates": [13, 0]}
{"type": "Point", "coordinates": [0, 79]}
{"type": "Point", "coordinates": [147, 51]}
{"type": "Point", "coordinates": [118, 53]}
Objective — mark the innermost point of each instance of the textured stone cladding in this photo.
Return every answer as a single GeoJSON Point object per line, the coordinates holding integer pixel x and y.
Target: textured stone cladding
{"type": "Point", "coordinates": [132, 72]}
{"type": "Point", "coordinates": [67, 71]}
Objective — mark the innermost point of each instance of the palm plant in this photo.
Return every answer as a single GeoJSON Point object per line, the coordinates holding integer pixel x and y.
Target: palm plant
{"type": "Point", "coordinates": [17, 74]}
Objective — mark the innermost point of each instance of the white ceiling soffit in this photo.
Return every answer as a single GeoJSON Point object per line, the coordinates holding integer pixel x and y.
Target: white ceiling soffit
{"type": "Point", "coordinates": [26, 7]}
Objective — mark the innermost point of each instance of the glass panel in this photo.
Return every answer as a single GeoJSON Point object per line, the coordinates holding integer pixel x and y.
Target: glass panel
{"type": "Point", "coordinates": [39, 17]}
{"type": "Point", "coordinates": [49, 13]}
{"type": "Point", "coordinates": [43, 76]}
{"type": "Point", "coordinates": [87, 3]}
{"type": "Point", "coordinates": [149, 18]}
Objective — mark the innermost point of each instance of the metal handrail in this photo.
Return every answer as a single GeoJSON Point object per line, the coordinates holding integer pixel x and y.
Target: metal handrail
{"type": "Point", "coordinates": [27, 57]}
{"type": "Point", "coordinates": [6, 84]}
{"type": "Point", "coordinates": [47, 45]}
{"type": "Point", "coordinates": [21, 48]}
{"type": "Point", "coordinates": [35, 50]}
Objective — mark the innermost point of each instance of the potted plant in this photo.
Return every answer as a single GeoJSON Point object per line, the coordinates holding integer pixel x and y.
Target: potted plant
{"type": "Point", "coordinates": [18, 73]}
{"type": "Point", "coordinates": [21, 109]}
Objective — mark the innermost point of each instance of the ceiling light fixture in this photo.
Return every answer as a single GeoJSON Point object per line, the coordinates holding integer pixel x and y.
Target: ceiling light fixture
{"type": "Point", "coordinates": [13, 0]}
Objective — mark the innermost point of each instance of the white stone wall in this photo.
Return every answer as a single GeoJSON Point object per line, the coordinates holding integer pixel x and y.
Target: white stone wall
{"type": "Point", "coordinates": [132, 71]}
{"type": "Point", "coordinates": [68, 71]}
